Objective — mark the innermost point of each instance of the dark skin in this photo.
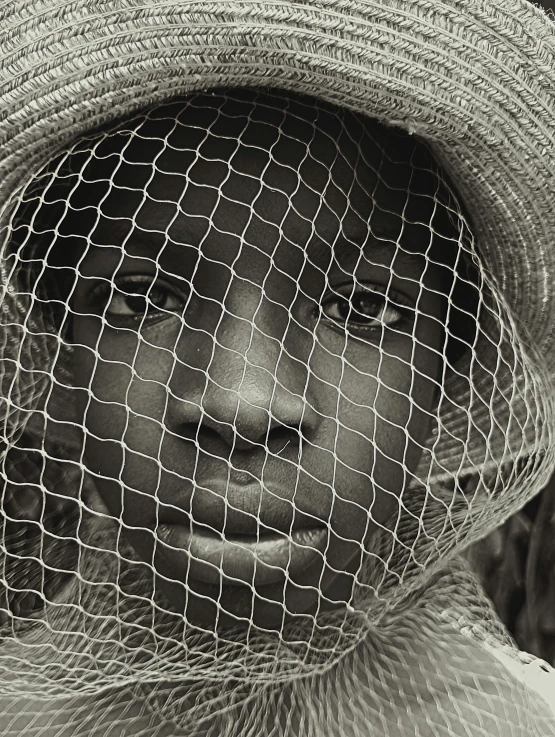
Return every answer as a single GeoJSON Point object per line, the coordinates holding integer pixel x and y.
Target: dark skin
{"type": "Point", "coordinates": [319, 373]}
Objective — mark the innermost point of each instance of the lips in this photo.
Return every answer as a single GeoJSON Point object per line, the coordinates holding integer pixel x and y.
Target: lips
{"type": "Point", "coordinates": [239, 559]}
{"type": "Point", "coordinates": [245, 533]}
{"type": "Point", "coordinates": [240, 509]}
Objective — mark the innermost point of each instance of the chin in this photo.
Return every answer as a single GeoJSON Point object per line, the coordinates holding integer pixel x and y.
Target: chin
{"type": "Point", "coordinates": [274, 607]}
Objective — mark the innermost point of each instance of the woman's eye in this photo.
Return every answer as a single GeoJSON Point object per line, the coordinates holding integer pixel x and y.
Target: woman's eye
{"type": "Point", "coordinates": [138, 299]}
{"type": "Point", "coordinates": [362, 309]}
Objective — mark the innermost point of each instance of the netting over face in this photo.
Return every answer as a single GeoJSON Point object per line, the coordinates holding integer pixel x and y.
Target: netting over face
{"type": "Point", "coordinates": [258, 386]}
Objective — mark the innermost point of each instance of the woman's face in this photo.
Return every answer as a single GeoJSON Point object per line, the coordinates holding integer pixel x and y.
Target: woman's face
{"type": "Point", "coordinates": [258, 338]}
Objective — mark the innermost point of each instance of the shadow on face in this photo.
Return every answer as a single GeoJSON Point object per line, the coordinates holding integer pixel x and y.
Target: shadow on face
{"type": "Point", "coordinates": [258, 314]}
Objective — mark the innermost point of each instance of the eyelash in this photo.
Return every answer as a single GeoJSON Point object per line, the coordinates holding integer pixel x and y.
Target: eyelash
{"type": "Point", "coordinates": [138, 288]}
{"type": "Point", "coordinates": [382, 299]}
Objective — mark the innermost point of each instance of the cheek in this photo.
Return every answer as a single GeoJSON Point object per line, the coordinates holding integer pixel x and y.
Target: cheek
{"type": "Point", "coordinates": [377, 424]}
{"type": "Point", "coordinates": [123, 371]}
{"type": "Point", "coordinates": [121, 403]}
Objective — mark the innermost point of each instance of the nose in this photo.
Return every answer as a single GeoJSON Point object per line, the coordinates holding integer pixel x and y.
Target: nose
{"type": "Point", "coordinates": [254, 390]}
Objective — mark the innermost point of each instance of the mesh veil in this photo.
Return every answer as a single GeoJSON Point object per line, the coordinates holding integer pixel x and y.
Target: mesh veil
{"type": "Point", "coordinates": [256, 331]}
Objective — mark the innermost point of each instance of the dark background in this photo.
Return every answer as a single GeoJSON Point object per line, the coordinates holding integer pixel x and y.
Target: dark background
{"type": "Point", "coordinates": [517, 562]}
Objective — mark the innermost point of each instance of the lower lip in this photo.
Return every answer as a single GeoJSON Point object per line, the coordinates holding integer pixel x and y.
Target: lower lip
{"type": "Point", "coordinates": [240, 559]}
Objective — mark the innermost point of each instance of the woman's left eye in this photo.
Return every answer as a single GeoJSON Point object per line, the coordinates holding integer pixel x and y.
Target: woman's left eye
{"type": "Point", "coordinates": [141, 298]}
{"type": "Point", "coordinates": [362, 308]}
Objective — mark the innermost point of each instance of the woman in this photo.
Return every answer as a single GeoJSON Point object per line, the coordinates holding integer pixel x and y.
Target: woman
{"type": "Point", "coordinates": [268, 370]}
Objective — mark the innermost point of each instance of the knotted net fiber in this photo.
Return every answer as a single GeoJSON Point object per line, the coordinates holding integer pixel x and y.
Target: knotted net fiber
{"type": "Point", "coordinates": [259, 391]}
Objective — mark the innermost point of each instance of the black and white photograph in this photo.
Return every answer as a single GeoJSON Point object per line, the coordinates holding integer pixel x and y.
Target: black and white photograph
{"type": "Point", "coordinates": [277, 368]}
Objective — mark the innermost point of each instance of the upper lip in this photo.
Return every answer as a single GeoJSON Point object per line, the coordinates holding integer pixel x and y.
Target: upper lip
{"type": "Point", "coordinates": [238, 509]}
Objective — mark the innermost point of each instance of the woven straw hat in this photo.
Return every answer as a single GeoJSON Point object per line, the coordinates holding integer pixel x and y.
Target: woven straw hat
{"type": "Point", "coordinates": [473, 78]}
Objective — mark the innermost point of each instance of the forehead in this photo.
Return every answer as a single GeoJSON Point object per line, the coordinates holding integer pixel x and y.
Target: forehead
{"type": "Point", "coordinates": [265, 168]}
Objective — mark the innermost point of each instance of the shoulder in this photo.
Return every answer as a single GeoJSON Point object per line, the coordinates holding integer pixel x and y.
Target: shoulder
{"type": "Point", "coordinates": [444, 664]}
{"type": "Point", "coordinates": [424, 675]}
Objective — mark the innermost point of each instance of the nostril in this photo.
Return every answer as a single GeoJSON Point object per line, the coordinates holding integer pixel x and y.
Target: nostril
{"type": "Point", "coordinates": [207, 438]}
{"type": "Point", "coordinates": [283, 440]}
{"type": "Point", "coordinates": [225, 438]}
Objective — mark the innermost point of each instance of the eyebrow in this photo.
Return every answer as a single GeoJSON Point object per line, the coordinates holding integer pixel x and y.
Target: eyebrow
{"type": "Point", "coordinates": [351, 243]}
{"type": "Point", "coordinates": [348, 244]}
{"type": "Point", "coordinates": [125, 230]}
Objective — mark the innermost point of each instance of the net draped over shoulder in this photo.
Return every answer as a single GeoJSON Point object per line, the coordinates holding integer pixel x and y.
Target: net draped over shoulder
{"type": "Point", "coordinates": [430, 652]}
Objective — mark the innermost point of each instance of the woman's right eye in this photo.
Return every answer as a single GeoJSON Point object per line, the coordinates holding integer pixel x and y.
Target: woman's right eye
{"type": "Point", "coordinates": [137, 299]}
